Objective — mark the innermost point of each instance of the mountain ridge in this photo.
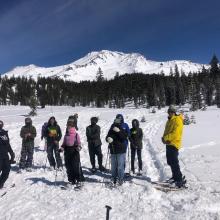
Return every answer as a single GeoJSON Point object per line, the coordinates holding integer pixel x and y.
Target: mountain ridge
{"type": "Point", "coordinates": [110, 62]}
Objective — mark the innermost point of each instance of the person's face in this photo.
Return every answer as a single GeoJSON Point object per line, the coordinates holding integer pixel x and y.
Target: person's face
{"type": "Point", "coordinates": [1, 124]}
{"type": "Point", "coordinates": [170, 113]}
{"type": "Point", "coordinates": [52, 121]}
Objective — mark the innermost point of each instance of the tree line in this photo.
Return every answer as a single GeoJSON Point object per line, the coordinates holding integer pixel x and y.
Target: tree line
{"type": "Point", "coordinates": [141, 90]}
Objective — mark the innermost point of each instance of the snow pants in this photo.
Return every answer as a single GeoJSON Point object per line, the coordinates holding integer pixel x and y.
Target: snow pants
{"type": "Point", "coordinates": [27, 152]}
{"type": "Point", "coordinates": [72, 164]}
{"type": "Point", "coordinates": [5, 167]}
{"type": "Point", "coordinates": [95, 150]}
{"type": "Point", "coordinates": [133, 153]}
{"type": "Point", "coordinates": [172, 154]}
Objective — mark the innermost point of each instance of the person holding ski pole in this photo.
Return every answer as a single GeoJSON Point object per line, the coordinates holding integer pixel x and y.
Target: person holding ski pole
{"type": "Point", "coordinates": [94, 144]}
{"type": "Point", "coordinates": [71, 147]}
{"type": "Point", "coordinates": [5, 149]}
{"type": "Point", "coordinates": [136, 145]}
{"type": "Point", "coordinates": [172, 137]}
{"type": "Point", "coordinates": [116, 138]}
{"type": "Point", "coordinates": [53, 136]}
{"type": "Point", "coordinates": [28, 134]}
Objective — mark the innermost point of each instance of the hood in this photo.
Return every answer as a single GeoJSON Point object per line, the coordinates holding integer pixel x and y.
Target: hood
{"type": "Point", "coordinates": [120, 116]}
{"type": "Point", "coordinates": [135, 123]}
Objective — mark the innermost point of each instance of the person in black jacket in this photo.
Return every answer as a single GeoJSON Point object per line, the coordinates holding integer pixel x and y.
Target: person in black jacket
{"type": "Point", "coordinates": [53, 136]}
{"type": "Point", "coordinates": [94, 143]}
{"type": "Point", "coordinates": [136, 145]}
{"type": "Point", "coordinates": [5, 148]}
{"type": "Point", "coordinates": [116, 138]}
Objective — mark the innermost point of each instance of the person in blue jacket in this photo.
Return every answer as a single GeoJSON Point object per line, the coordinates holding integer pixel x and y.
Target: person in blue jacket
{"type": "Point", "coordinates": [125, 127]}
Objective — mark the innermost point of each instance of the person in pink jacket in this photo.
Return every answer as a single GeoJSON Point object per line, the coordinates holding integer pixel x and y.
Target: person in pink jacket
{"type": "Point", "coordinates": [71, 147]}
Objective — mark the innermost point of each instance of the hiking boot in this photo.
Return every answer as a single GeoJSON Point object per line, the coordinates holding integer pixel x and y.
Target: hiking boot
{"type": "Point", "coordinates": [102, 169]}
{"type": "Point", "coordinates": [93, 170]}
{"type": "Point", "coordinates": [120, 182]}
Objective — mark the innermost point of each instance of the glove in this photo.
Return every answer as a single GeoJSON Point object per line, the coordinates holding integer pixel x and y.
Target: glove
{"type": "Point", "coordinates": [109, 140]}
{"type": "Point", "coordinates": [78, 148]}
{"type": "Point", "coordinates": [165, 142]}
{"type": "Point", "coordinates": [116, 129]}
{"type": "Point", "coordinates": [12, 161]}
{"type": "Point", "coordinates": [61, 150]}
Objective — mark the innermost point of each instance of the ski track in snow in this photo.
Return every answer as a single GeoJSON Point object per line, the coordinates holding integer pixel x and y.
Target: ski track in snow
{"type": "Point", "coordinates": [37, 195]}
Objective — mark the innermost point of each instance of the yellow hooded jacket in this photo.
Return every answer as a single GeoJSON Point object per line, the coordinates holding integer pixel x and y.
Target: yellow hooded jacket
{"type": "Point", "coordinates": [173, 131]}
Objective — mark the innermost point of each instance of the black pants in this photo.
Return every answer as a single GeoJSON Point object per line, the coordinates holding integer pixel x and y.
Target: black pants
{"type": "Point", "coordinates": [173, 161]}
{"type": "Point", "coordinates": [53, 148]}
{"type": "Point", "coordinates": [5, 167]}
{"type": "Point", "coordinates": [133, 153]}
{"type": "Point", "coordinates": [95, 150]}
{"type": "Point", "coordinates": [27, 152]}
{"type": "Point", "coordinates": [72, 164]}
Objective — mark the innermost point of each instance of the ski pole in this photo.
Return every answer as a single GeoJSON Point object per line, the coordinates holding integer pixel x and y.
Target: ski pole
{"type": "Point", "coordinates": [106, 164]}
{"type": "Point", "coordinates": [129, 165]}
{"type": "Point", "coordinates": [108, 208]}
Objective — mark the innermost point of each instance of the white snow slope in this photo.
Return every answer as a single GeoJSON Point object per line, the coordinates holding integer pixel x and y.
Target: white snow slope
{"type": "Point", "coordinates": [37, 196]}
{"type": "Point", "coordinates": [110, 62]}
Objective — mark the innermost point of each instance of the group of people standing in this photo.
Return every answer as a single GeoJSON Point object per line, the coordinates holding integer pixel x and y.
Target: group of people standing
{"type": "Point", "coordinates": [118, 138]}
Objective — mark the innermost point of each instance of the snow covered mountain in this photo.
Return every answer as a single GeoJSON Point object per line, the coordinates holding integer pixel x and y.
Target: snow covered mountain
{"type": "Point", "coordinates": [110, 62]}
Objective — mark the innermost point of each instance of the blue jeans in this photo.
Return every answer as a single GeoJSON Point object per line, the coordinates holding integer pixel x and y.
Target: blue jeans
{"type": "Point", "coordinates": [118, 166]}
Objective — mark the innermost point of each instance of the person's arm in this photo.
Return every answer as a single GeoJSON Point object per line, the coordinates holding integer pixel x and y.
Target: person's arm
{"type": "Point", "coordinates": [10, 151]}
{"type": "Point", "coordinates": [22, 134]}
{"type": "Point", "coordinates": [174, 133]}
{"type": "Point", "coordinates": [33, 132]}
{"type": "Point", "coordinates": [141, 134]}
{"type": "Point", "coordinates": [122, 134]}
{"type": "Point", "coordinates": [59, 133]}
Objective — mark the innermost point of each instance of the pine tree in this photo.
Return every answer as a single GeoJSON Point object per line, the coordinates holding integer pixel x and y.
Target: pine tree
{"type": "Point", "coordinates": [33, 105]}
{"type": "Point", "coordinates": [214, 70]}
{"type": "Point", "coordinates": [99, 75]}
{"type": "Point", "coordinates": [218, 91]}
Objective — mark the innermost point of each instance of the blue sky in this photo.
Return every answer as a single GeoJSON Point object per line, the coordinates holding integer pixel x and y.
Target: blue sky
{"type": "Point", "coordinates": [56, 32]}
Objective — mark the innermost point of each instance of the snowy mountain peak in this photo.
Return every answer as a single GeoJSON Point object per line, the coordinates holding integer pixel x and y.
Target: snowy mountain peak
{"type": "Point", "coordinates": [110, 62]}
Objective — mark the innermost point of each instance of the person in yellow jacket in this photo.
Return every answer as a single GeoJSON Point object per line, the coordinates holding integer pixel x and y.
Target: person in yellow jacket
{"type": "Point", "coordinates": [172, 137]}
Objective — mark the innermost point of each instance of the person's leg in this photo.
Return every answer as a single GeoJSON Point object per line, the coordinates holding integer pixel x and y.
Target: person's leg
{"type": "Point", "coordinates": [132, 159]}
{"type": "Point", "coordinates": [30, 153]}
{"type": "Point", "coordinates": [98, 152]}
{"type": "Point", "coordinates": [92, 154]}
{"type": "Point", "coordinates": [121, 163]}
{"type": "Point", "coordinates": [50, 155]}
{"type": "Point", "coordinates": [174, 163]}
{"type": "Point", "coordinates": [5, 170]}
{"type": "Point", "coordinates": [23, 157]}
{"type": "Point", "coordinates": [57, 156]}
{"type": "Point", "coordinates": [169, 157]}
{"type": "Point", "coordinates": [68, 158]}
{"type": "Point", "coordinates": [139, 155]}
{"type": "Point", "coordinates": [76, 166]}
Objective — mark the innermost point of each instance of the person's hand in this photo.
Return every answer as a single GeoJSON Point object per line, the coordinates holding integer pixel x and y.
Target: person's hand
{"type": "Point", "coordinates": [116, 129]}
{"type": "Point", "coordinates": [163, 141]}
{"type": "Point", "coordinates": [61, 150]}
{"type": "Point", "coordinates": [109, 140]}
{"type": "Point", "coordinates": [56, 142]}
{"type": "Point", "coordinates": [12, 161]}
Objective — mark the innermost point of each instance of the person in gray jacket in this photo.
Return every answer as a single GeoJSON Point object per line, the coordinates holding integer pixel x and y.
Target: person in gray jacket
{"type": "Point", "coordinates": [94, 144]}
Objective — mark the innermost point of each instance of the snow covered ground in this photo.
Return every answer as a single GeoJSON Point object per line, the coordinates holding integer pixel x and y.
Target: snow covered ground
{"type": "Point", "coordinates": [37, 195]}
